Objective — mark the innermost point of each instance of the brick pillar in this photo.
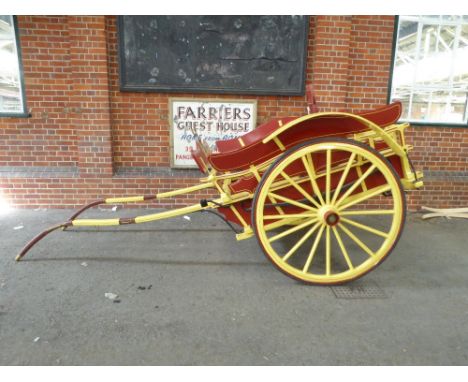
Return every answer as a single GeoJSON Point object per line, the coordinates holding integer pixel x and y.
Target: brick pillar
{"type": "Point", "coordinates": [330, 61]}
{"type": "Point", "coordinates": [90, 95]}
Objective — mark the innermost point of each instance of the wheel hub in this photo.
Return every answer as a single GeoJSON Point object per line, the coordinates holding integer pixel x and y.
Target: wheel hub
{"type": "Point", "coordinates": [329, 216]}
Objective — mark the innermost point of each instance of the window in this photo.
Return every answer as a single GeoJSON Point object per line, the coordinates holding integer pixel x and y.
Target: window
{"type": "Point", "coordinates": [430, 69]}
{"type": "Point", "coordinates": [12, 102]}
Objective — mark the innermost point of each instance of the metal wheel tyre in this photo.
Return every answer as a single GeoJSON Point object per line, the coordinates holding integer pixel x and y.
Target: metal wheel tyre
{"type": "Point", "coordinates": [319, 212]}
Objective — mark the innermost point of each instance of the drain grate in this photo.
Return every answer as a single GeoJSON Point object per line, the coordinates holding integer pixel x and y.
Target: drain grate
{"type": "Point", "coordinates": [367, 289]}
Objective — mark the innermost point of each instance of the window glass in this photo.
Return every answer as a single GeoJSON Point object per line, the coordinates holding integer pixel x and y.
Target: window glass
{"type": "Point", "coordinates": [11, 89]}
{"type": "Point", "coordinates": [430, 74]}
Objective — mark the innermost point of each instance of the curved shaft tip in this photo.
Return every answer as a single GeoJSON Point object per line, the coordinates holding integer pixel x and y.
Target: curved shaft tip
{"type": "Point", "coordinates": [38, 238]}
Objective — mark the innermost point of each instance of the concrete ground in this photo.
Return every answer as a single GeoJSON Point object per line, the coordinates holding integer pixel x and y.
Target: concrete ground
{"type": "Point", "coordinates": [190, 294]}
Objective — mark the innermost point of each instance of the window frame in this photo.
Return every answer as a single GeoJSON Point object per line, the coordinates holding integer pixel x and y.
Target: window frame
{"type": "Point", "coordinates": [390, 82]}
{"type": "Point", "coordinates": [24, 113]}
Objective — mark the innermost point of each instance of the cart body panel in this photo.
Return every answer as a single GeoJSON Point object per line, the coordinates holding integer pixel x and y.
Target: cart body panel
{"type": "Point", "coordinates": [240, 153]}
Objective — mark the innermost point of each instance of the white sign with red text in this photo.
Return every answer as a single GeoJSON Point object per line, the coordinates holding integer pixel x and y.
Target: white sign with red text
{"type": "Point", "coordinates": [212, 119]}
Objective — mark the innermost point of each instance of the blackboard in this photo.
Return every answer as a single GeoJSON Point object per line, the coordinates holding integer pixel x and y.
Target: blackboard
{"type": "Point", "coordinates": [213, 54]}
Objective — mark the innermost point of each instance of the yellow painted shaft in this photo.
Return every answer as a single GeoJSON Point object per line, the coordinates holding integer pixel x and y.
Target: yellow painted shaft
{"type": "Point", "coordinates": [94, 222]}
{"type": "Point", "coordinates": [184, 190]}
{"type": "Point", "coordinates": [169, 214]}
{"type": "Point", "coordinates": [141, 198]}
{"type": "Point", "coordinates": [145, 218]}
{"type": "Point", "coordinates": [125, 199]}
{"type": "Point", "coordinates": [139, 219]}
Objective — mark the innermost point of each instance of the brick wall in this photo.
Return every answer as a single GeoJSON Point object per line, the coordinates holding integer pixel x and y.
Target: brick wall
{"type": "Point", "coordinates": [48, 137]}
{"type": "Point", "coordinates": [370, 54]}
{"type": "Point", "coordinates": [85, 139]}
{"type": "Point", "coordinates": [140, 120]}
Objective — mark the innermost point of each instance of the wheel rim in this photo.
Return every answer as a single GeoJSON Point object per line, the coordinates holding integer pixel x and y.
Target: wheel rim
{"type": "Point", "coordinates": [318, 212]}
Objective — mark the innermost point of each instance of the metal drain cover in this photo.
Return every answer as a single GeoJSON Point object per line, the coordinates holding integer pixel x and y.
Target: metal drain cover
{"type": "Point", "coordinates": [368, 289]}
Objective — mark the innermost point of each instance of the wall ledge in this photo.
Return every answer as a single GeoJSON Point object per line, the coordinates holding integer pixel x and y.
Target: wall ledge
{"type": "Point", "coordinates": [163, 172]}
{"type": "Point", "coordinates": [39, 172]}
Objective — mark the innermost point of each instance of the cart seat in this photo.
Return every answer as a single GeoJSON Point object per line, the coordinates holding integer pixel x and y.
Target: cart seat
{"type": "Point", "coordinates": [262, 131]}
{"type": "Point", "coordinates": [241, 153]}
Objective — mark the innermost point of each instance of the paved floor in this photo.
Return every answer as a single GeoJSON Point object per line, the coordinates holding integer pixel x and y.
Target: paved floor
{"type": "Point", "coordinates": [212, 300]}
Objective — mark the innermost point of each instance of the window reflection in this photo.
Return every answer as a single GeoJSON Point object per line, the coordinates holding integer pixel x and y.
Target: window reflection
{"type": "Point", "coordinates": [430, 74]}
{"type": "Point", "coordinates": [11, 97]}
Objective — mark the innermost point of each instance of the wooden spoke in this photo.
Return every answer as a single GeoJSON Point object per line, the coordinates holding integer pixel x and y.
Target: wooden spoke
{"type": "Point", "coordinates": [307, 161]}
{"type": "Point", "coordinates": [291, 201]}
{"type": "Point", "coordinates": [292, 230]}
{"type": "Point", "coordinates": [327, 252]}
{"type": "Point", "coordinates": [364, 247]}
{"type": "Point", "coordinates": [367, 212]}
{"type": "Point", "coordinates": [289, 216]}
{"type": "Point", "coordinates": [343, 249]}
{"type": "Point", "coordinates": [364, 185]}
{"type": "Point", "coordinates": [360, 162]}
{"type": "Point", "coordinates": [365, 227]}
{"type": "Point", "coordinates": [301, 241]}
{"type": "Point", "coordinates": [343, 177]}
{"type": "Point", "coordinates": [365, 195]}
{"type": "Point", "coordinates": [313, 250]}
{"type": "Point", "coordinates": [277, 208]}
{"type": "Point", "coordinates": [280, 223]}
{"type": "Point", "coordinates": [356, 184]}
{"type": "Point", "coordinates": [300, 189]}
{"type": "Point", "coordinates": [327, 178]}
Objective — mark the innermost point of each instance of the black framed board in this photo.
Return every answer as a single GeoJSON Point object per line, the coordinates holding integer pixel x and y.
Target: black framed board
{"type": "Point", "coordinates": [213, 54]}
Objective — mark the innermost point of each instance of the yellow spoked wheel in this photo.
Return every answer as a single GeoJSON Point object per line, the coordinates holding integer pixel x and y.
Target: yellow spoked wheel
{"type": "Point", "coordinates": [329, 211]}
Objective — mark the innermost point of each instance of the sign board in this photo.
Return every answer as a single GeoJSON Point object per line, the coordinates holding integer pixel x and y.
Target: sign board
{"type": "Point", "coordinates": [214, 120]}
{"type": "Point", "coordinates": [213, 54]}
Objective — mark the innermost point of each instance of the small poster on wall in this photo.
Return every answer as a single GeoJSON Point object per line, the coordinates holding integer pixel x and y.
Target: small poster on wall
{"type": "Point", "coordinates": [213, 120]}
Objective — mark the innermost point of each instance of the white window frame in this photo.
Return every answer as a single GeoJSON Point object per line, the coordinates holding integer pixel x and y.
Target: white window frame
{"type": "Point", "coordinates": [22, 111]}
{"type": "Point", "coordinates": [428, 20]}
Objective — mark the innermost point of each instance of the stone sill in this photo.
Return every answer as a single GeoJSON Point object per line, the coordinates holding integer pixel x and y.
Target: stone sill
{"type": "Point", "coordinates": [73, 172]}
{"type": "Point", "coordinates": [165, 172]}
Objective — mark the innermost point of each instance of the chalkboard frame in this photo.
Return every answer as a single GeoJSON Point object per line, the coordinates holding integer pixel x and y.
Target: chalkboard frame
{"type": "Point", "coordinates": [154, 88]}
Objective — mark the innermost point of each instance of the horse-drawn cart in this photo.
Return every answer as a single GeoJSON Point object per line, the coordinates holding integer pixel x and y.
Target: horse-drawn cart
{"type": "Point", "coordinates": [323, 193]}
